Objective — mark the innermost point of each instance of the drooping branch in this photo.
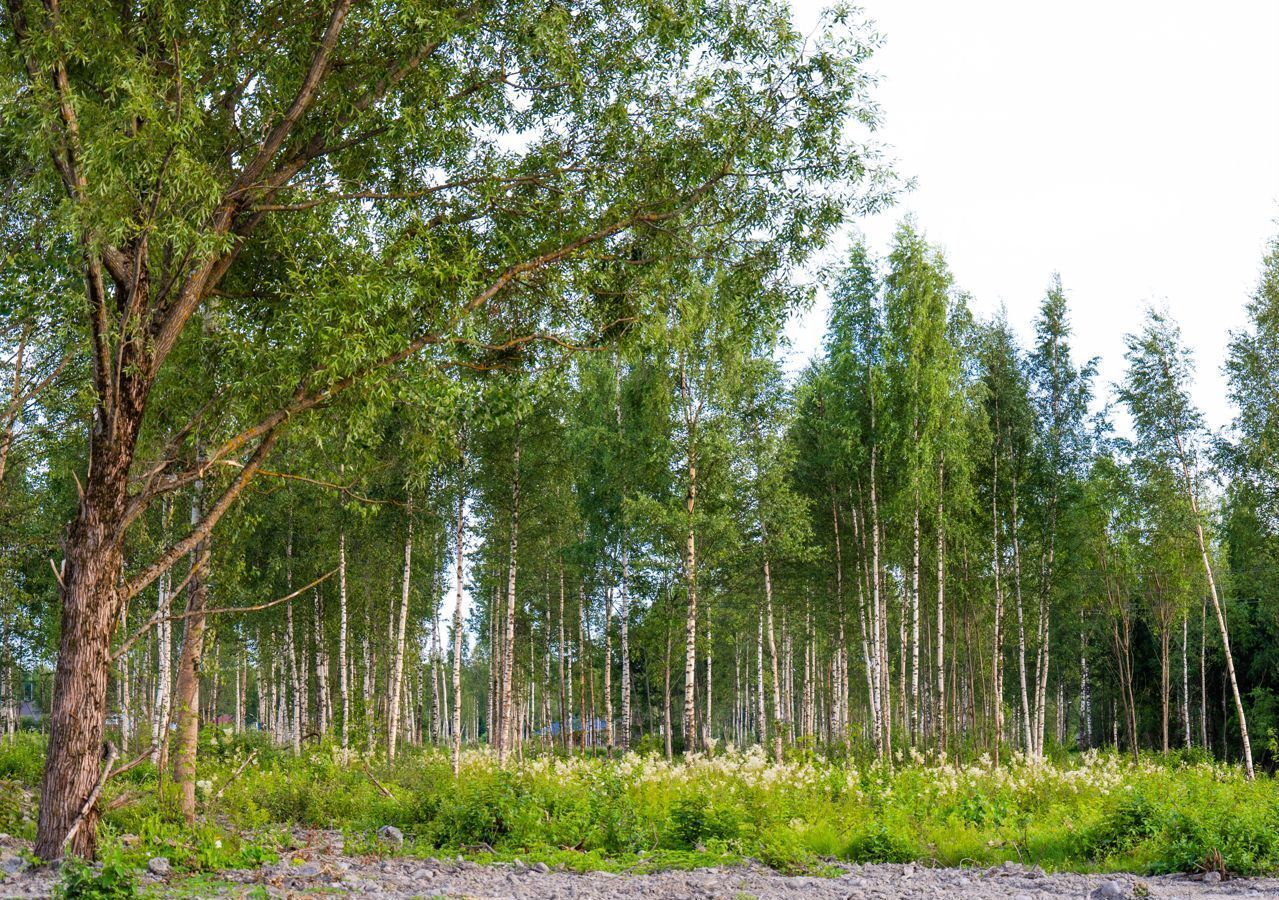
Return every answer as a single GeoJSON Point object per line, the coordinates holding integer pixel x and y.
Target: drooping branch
{"type": "Point", "coordinates": [156, 619]}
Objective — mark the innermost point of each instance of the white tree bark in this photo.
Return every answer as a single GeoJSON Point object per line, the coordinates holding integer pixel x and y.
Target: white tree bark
{"type": "Point", "coordinates": [397, 675]}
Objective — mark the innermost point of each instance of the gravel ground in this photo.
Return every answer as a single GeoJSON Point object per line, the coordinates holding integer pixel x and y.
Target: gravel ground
{"type": "Point", "coordinates": [322, 870]}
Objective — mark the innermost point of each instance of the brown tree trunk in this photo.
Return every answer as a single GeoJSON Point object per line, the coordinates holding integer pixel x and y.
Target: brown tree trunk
{"type": "Point", "coordinates": [187, 699]}
{"type": "Point", "coordinates": [91, 598]}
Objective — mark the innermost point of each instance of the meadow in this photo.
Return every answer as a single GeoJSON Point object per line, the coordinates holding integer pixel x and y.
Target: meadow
{"type": "Point", "coordinates": [1095, 811]}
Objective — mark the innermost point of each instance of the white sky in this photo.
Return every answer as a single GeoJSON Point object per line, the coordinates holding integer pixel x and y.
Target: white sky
{"type": "Point", "coordinates": [1132, 146]}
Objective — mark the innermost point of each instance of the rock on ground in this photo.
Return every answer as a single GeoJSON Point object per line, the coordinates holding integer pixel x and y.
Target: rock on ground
{"type": "Point", "coordinates": [322, 869]}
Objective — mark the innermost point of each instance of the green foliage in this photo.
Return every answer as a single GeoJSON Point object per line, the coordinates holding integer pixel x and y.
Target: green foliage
{"type": "Point", "coordinates": [697, 820]}
{"type": "Point", "coordinates": [109, 880]}
{"type": "Point", "coordinates": [879, 844]}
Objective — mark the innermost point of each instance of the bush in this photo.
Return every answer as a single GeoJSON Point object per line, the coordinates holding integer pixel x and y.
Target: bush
{"type": "Point", "coordinates": [110, 881]}
{"type": "Point", "coordinates": [1134, 820]}
{"type": "Point", "coordinates": [877, 844]}
{"type": "Point", "coordinates": [696, 821]}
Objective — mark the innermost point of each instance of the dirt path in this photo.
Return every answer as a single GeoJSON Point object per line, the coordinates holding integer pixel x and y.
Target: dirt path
{"type": "Point", "coordinates": [418, 878]}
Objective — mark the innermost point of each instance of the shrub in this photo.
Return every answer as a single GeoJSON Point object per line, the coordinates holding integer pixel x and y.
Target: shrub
{"type": "Point", "coordinates": [877, 844]}
{"type": "Point", "coordinates": [1135, 819]}
{"type": "Point", "coordinates": [695, 821]}
{"type": "Point", "coordinates": [110, 881]}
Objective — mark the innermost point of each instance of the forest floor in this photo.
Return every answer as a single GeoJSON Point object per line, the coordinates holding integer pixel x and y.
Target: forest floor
{"type": "Point", "coordinates": [733, 825]}
{"type": "Point", "coordinates": [323, 870]}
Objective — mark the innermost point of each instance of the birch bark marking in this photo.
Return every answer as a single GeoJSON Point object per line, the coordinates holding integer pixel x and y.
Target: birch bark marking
{"type": "Point", "coordinates": [397, 677]}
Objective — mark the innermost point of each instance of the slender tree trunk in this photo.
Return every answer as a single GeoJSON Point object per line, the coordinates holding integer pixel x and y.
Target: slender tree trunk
{"type": "Point", "coordinates": [690, 577]}
{"type": "Point", "coordinates": [624, 615]}
{"type": "Point", "coordinates": [997, 679]}
{"type": "Point", "coordinates": [344, 671]}
{"type": "Point", "coordinates": [1203, 675]}
{"type": "Point", "coordinates": [1085, 695]}
{"type": "Point", "coordinates": [566, 705]}
{"type": "Point", "coordinates": [1185, 674]}
{"type": "Point", "coordinates": [761, 726]}
{"type": "Point", "coordinates": [1165, 683]}
{"type": "Point", "coordinates": [1027, 716]}
{"type": "Point", "coordinates": [323, 706]}
{"type": "Point", "coordinates": [779, 713]}
{"type": "Point", "coordinates": [708, 725]}
{"type": "Point", "coordinates": [666, 697]}
{"type": "Point", "coordinates": [941, 605]}
{"type": "Point", "coordinates": [291, 649]}
{"type": "Point", "coordinates": [164, 663]}
{"type": "Point", "coordinates": [1245, 743]}
{"type": "Point", "coordinates": [841, 689]}
{"type": "Point", "coordinates": [505, 731]}
{"type": "Point", "coordinates": [914, 623]}
{"type": "Point", "coordinates": [397, 677]}
{"type": "Point", "coordinates": [188, 686]}
{"type": "Point", "coordinates": [608, 670]}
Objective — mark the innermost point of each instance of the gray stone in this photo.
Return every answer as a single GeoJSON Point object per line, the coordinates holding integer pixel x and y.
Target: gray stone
{"type": "Point", "coordinates": [306, 870]}
{"type": "Point", "coordinates": [1212, 877]}
{"type": "Point", "coordinates": [15, 864]}
{"type": "Point", "coordinates": [541, 868]}
{"type": "Point", "coordinates": [158, 865]}
{"type": "Point", "coordinates": [391, 835]}
{"type": "Point", "coordinates": [1109, 890]}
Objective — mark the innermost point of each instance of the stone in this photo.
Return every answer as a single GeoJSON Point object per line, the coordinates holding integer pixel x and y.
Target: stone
{"type": "Point", "coordinates": [306, 870]}
{"type": "Point", "coordinates": [158, 865]}
{"type": "Point", "coordinates": [541, 868]}
{"type": "Point", "coordinates": [15, 864]}
{"type": "Point", "coordinates": [391, 835]}
{"type": "Point", "coordinates": [1212, 877]}
{"type": "Point", "coordinates": [1109, 890]}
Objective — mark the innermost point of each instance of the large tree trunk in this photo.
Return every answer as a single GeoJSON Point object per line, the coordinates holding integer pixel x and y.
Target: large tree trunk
{"type": "Point", "coordinates": [91, 597]}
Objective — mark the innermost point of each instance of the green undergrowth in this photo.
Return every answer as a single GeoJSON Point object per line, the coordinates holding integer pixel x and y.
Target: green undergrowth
{"type": "Point", "coordinates": [1089, 812]}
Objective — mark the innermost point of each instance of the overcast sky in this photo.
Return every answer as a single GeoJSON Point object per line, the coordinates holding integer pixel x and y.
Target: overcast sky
{"type": "Point", "coordinates": [1132, 146]}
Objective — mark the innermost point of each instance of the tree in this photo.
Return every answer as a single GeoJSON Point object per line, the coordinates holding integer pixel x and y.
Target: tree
{"type": "Point", "coordinates": [174, 135]}
{"type": "Point", "coordinates": [1170, 427]}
